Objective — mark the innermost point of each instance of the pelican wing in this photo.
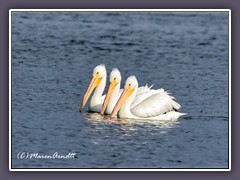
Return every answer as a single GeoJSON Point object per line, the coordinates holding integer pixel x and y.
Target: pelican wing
{"type": "Point", "coordinates": [144, 94]}
{"type": "Point", "coordinates": [153, 104]}
{"type": "Point", "coordinates": [143, 89]}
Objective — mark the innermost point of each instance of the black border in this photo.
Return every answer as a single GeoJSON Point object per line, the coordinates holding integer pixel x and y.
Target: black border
{"type": "Point", "coordinates": [120, 169]}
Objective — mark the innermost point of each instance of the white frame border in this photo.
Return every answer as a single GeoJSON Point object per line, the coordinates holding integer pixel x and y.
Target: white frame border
{"type": "Point", "coordinates": [118, 10]}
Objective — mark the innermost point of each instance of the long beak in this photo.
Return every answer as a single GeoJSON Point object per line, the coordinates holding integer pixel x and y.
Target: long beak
{"type": "Point", "coordinates": [94, 83]}
{"type": "Point", "coordinates": [111, 87]}
{"type": "Point", "coordinates": [123, 98]}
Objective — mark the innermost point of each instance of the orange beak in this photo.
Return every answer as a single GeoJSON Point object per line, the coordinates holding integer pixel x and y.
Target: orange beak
{"type": "Point", "coordinates": [93, 84]}
{"type": "Point", "coordinates": [111, 87]}
{"type": "Point", "coordinates": [127, 92]}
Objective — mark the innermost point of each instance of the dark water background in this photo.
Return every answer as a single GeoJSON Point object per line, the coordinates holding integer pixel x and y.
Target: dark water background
{"type": "Point", "coordinates": [53, 55]}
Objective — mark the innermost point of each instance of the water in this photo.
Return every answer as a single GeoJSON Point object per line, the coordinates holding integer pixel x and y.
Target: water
{"type": "Point", "coordinates": [53, 55]}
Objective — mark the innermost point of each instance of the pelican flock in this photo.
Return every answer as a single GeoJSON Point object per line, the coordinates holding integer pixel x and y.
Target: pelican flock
{"type": "Point", "coordinates": [131, 102]}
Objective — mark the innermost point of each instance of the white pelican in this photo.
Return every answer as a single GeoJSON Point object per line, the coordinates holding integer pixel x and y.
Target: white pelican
{"type": "Point", "coordinates": [99, 82]}
{"type": "Point", "coordinates": [114, 92]}
{"type": "Point", "coordinates": [154, 104]}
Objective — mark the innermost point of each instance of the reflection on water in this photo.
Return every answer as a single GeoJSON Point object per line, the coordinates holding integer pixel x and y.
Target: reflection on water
{"type": "Point", "coordinates": [97, 118]}
{"type": "Point", "coordinates": [92, 116]}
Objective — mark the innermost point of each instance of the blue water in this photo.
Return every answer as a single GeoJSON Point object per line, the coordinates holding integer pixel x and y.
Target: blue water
{"type": "Point", "coordinates": [53, 55]}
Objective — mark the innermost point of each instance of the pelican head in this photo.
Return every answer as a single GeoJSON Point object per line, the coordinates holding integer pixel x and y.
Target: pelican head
{"type": "Point", "coordinates": [115, 79]}
{"type": "Point", "coordinates": [99, 73]}
{"type": "Point", "coordinates": [131, 86]}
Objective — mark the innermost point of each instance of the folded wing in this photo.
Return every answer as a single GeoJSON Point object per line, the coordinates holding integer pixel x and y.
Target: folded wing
{"type": "Point", "coordinates": [153, 103]}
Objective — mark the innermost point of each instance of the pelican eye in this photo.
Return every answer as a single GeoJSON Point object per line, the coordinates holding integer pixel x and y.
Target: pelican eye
{"type": "Point", "coordinates": [114, 79]}
{"type": "Point", "coordinates": [129, 84]}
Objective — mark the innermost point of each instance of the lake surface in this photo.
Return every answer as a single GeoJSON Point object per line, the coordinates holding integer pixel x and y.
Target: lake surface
{"type": "Point", "coordinates": [53, 55]}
